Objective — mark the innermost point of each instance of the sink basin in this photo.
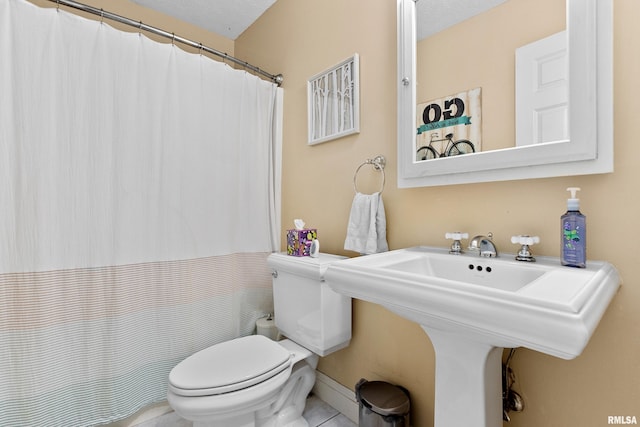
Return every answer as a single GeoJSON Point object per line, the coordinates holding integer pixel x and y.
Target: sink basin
{"type": "Point", "coordinates": [542, 305]}
{"type": "Point", "coordinates": [499, 275]}
{"type": "Point", "coordinates": [473, 307]}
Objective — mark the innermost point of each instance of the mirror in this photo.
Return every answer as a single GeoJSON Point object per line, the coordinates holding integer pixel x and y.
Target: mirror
{"type": "Point", "coordinates": [585, 148]}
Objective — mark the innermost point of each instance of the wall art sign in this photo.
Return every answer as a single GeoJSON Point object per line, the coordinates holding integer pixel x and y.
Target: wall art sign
{"type": "Point", "coordinates": [449, 126]}
{"type": "Point", "coordinates": [333, 98]}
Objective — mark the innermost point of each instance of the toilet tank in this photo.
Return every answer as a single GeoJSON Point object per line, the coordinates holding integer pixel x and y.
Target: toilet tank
{"type": "Point", "coordinates": [307, 310]}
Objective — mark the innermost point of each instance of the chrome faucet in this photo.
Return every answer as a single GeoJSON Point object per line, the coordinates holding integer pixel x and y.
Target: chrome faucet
{"type": "Point", "coordinates": [484, 246]}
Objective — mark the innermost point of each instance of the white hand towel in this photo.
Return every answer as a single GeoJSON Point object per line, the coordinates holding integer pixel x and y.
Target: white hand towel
{"type": "Point", "coordinates": [367, 229]}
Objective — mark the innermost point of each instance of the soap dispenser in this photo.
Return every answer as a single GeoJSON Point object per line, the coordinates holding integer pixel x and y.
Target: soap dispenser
{"type": "Point", "coordinates": [573, 233]}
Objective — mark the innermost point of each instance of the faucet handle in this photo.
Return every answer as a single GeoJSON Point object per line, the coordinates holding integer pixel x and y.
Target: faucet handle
{"type": "Point", "coordinates": [525, 241]}
{"type": "Point", "coordinates": [456, 236]}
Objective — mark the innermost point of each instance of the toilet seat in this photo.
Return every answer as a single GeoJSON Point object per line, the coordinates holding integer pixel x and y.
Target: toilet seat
{"type": "Point", "coordinates": [229, 366]}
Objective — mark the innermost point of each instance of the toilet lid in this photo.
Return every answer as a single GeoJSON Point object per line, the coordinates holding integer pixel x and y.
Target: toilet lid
{"type": "Point", "coordinates": [230, 366]}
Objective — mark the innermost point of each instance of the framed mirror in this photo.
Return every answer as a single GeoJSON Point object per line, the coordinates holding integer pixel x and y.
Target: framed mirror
{"type": "Point", "coordinates": [585, 147]}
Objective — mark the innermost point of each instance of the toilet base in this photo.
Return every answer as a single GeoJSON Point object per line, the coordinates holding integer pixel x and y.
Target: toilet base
{"type": "Point", "coordinates": [284, 409]}
{"type": "Point", "coordinates": [287, 410]}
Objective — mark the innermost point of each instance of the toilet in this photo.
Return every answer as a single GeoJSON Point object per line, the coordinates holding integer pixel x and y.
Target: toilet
{"type": "Point", "coordinates": [254, 381]}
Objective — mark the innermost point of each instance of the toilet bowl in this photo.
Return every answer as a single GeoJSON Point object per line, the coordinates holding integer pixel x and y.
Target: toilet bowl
{"type": "Point", "coordinates": [254, 381]}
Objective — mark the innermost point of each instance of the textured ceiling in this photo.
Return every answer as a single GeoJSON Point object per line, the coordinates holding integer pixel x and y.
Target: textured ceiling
{"type": "Point", "coordinates": [228, 18]}
{"type": "Point", "coordinates": [437, 15]}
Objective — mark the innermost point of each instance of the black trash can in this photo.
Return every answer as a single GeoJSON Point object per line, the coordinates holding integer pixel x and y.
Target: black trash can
{"type": "Point", "coordinates": [382, 404]}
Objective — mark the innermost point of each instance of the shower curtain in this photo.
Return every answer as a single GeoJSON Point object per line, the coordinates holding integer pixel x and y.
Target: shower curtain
{"type": "Point", "coordinates": [139, 199]}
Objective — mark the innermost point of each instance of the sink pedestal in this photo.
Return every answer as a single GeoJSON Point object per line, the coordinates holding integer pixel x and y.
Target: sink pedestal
{"type": "Point", "coordinates": [468, 381]}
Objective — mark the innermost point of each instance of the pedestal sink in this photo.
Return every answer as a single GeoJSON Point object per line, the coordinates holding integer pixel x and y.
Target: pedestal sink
{"type": "Point", "coordinates": [473, 307]}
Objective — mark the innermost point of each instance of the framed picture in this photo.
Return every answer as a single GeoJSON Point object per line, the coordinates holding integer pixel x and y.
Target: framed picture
{"type": "Point", "coordinates": [449, 126]}
{"type": "Point", "coordinates": [333, 98]}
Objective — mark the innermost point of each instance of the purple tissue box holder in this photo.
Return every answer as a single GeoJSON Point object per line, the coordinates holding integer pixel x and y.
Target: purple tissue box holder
{"type": "Point", "coordinates": [299, 241]}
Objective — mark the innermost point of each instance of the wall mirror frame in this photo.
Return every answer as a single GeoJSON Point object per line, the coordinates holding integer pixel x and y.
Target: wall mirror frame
{"type": "Point", "coordinates": [589, 150]}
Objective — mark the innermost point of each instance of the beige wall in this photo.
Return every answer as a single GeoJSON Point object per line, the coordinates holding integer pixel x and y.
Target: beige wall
{"type": "Point", "coordinates": [301, 38]}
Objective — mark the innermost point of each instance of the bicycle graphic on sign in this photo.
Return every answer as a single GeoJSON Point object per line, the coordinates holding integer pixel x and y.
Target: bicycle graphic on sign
{"type": "Point", "coordinates": [458, 115]}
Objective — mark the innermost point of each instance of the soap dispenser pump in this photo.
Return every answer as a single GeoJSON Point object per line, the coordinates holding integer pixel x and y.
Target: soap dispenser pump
{"type": "Point", "coordinates": [573, 233]}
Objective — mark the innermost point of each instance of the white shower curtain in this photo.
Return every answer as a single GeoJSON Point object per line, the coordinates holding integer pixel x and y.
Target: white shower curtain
{"type": "Point", "coordinates": [139, 198]}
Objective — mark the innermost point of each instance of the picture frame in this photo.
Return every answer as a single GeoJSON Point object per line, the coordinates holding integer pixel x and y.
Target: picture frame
{"type": "Point", "coordinates": [333, 102]}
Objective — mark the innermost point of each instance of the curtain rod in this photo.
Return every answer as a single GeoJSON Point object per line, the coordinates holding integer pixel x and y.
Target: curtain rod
{"type": "Point", "coordinates": [277, 79]}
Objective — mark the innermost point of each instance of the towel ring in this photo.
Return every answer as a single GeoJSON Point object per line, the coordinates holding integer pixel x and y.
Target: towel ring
{"type": "Point", "coordinates": [378, 162]}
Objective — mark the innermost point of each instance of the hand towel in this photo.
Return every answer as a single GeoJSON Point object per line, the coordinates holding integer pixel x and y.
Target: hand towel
{"type": "Point", "coordinates": [367, 229]}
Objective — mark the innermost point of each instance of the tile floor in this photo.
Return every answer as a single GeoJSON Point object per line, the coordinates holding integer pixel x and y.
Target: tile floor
{"type": "Point", "coordinates": [317, 413]}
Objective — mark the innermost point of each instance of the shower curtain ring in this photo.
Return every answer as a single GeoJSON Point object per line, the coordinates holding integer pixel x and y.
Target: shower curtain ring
{"type": "Point", "coordinates": [101, 15]}
{"type": "Point", "coordinates": [200, 44]}
{"type": "Point", "coordinates": [173, 39]}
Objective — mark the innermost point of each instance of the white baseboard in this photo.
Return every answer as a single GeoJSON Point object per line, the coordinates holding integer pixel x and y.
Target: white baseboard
{"type": "Point", "coordinates": [337, 395]}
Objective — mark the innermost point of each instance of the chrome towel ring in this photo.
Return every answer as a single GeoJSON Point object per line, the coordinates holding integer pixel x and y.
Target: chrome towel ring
{"type": "Point", "coordinates": [378, 162]}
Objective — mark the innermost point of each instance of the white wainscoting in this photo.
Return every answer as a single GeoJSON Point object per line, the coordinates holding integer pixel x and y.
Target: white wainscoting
{"type": "Point", "coordinates": [336, 395]}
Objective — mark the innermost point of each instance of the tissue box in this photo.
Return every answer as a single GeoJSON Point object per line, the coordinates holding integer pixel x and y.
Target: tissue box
{"type": "Point", "coordinates": [299, 241]}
